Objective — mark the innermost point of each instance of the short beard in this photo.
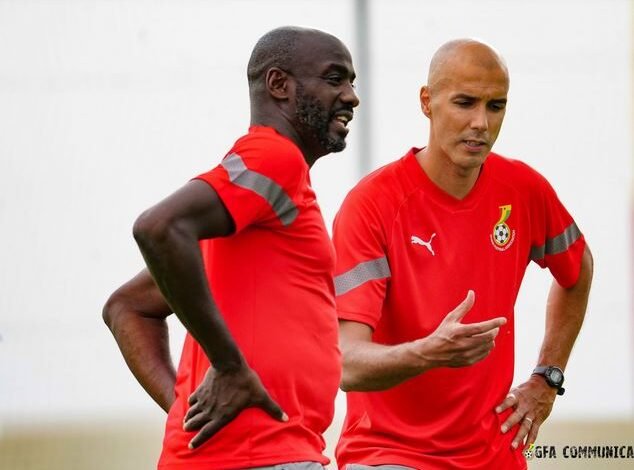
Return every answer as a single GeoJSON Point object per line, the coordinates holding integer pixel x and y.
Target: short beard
{"type": "Point", "coordinates": [316, 121]}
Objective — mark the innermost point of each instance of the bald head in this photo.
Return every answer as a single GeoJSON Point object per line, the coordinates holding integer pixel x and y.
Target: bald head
{"type": "Point", "coordinates": [455, 54]}
{"type": "Point", "coordinates": [465, 100]}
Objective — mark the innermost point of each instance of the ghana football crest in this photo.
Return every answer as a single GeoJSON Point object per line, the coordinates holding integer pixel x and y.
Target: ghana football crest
{"type": "Point", "coordinates": [502, 236]}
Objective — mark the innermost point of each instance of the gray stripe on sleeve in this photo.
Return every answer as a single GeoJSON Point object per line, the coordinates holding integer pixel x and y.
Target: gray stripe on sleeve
{"type": "Point", "coordinates": [362, 273]}
{"type": "Point", "coordinates": [558, 244]}
{"type": "Point", "coordinates": [272, 192]}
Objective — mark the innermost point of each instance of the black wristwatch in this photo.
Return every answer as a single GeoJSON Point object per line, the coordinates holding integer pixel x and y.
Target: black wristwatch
{"type": "Point", "coordinates": [554, 377]}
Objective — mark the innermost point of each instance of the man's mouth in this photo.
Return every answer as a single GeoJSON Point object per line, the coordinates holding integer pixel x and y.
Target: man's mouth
{"type": "Point", "coordinates": [344, 117]}
{"type": "Point", "coordinates": [475, 144]}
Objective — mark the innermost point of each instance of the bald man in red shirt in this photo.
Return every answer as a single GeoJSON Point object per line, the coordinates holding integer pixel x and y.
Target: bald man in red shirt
{"type": "Point", "coordinates": [431, 253]}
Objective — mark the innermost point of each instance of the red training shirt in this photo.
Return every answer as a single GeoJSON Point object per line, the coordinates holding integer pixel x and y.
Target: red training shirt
{"type": "Point", "coordinates": [272, 281]}
{"type": "Point", "coordinates": [407, 253]}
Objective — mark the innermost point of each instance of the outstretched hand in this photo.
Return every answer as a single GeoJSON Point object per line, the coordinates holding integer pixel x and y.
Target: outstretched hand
{"type": "Point", "coordinates": [456, 344]}
{"type": "Point", "coordinates": [220, 397]}
{"type": "Point", "coordinates": [532, 402]}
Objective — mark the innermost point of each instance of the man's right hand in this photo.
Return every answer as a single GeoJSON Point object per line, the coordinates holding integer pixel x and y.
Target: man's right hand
{"type": "Point", "coordinates": [370, 366]}
{"type": "Point", "coordinates": [456, 344]}
{"type": "Point", "coordinates": [221, 396]}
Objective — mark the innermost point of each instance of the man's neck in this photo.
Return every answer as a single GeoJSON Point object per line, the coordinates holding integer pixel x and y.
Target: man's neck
{"type": "Point", "coordinates": [452, 179]}
{"type": "Point", "coordinates": [284, 128]}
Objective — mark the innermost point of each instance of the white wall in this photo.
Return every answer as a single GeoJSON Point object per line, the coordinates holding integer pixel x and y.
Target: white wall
{"type": "Point", "coordinates": [569, 116]}
{"type": "Point", "coordinates": [107, 106]}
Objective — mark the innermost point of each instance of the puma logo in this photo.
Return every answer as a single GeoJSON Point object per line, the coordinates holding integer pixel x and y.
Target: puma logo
{"type": "Point", "coordinates": [417, 241]}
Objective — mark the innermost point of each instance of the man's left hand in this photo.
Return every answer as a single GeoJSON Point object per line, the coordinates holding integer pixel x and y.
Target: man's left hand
{"type": "Point", "coordinates": [532, 401]}
{"type": "Point", "coordinates": [222, 396]}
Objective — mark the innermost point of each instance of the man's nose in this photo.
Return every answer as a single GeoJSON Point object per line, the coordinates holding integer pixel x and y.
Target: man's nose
{"type": "Point", "coordinates": [480, 119]}
{"type": "Point", "coordinates": [349, 96]}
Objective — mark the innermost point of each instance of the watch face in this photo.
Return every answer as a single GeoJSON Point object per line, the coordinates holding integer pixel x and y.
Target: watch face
{"type": "Point", "coordinates": [556, 376]}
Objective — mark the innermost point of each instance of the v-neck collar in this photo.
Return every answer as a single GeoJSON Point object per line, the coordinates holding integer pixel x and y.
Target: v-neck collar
{"type": "Point", "coordinates": [440, 196]}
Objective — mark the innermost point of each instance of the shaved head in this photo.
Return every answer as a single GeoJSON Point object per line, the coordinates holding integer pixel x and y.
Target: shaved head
{"type": "Point", "coordinates": [465, 100]}
{"type": "Point", "coordinates": [281, 47]}
{"type": "Point", "coordinates": [458, 52]}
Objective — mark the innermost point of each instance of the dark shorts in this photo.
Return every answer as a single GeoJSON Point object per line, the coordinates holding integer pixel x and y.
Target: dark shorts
{"type": "Point", "coordinates": [293, 466]}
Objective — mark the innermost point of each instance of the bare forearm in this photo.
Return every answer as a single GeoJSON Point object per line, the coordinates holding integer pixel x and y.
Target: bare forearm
{"type": "Point", "coordinates": [564, 316]}
{"type": "Point", "coordinates": [144, 344]}
{"type": "Point", "coordinates": [135, 314]}
{"type": "Point", "coordinates": [173, 257]}
{"type": "Point", "coordinates": [370, 366]}
{"type": "Point", "coordinates": [563, 323]}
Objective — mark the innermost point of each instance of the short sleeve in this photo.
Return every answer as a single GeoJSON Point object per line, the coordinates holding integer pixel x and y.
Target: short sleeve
{"type": "Point", "coordinates": [362, 272]}
{"type": "Point", "coordinates": [258, 180]}
{"type": "Point", "coordinates": [556, 241]}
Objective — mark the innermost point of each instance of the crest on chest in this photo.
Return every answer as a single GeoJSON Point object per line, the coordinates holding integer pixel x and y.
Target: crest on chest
{"type": "Point", "coordinates": [502, 236]}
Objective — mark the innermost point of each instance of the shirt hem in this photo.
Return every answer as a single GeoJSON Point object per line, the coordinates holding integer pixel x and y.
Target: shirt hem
{"type": "Point", "coordinates": [358, 317]}
{"type": "Point", "coordinates": [415, 464]}
{"type": "Point", "coordinates": [236, 464]}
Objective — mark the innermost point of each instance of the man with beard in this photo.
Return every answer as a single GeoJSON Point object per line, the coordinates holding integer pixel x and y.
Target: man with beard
{"type": "Point", "coordinates": [241, 255]}
{"type": "Point", "coordinates": [453, 230]}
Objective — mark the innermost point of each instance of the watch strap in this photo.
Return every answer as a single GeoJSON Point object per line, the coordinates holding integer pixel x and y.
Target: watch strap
{"type": "Point", "coordinates": [541, 370]}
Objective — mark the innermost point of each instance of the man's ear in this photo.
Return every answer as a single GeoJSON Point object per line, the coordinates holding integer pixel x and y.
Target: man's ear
{"type": "Point", "coordinates": [425, 101]}
{"type": "Point", "coordinates": [278, 83]}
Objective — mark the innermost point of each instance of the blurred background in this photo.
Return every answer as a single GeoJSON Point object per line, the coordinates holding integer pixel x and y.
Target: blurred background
{"type": "Point", "coordinates": [108, 106]}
